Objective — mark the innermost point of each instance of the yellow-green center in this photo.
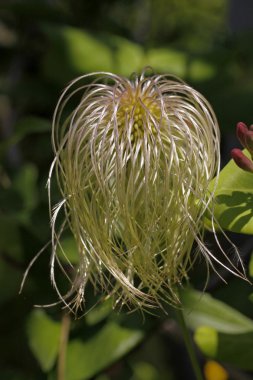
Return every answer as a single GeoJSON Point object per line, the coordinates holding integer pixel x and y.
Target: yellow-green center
{"type": "Point", "coordinates": [138, 113]}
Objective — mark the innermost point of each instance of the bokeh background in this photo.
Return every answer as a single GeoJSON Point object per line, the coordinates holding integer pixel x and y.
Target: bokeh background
{"type": "Point", "coordinates": [43, 45]}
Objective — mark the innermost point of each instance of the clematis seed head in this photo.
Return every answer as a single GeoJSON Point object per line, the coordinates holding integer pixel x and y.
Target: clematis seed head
{"type": "Point", "coordinates": [133, 161]}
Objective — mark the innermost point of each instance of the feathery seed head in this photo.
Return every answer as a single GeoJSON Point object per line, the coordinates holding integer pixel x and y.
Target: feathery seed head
{"type": "Point", "coordinates": [133, 162]}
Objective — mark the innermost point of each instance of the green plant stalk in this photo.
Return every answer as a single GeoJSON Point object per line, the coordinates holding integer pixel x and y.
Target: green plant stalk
{"type": "Point", "coordinates": [189, 345]}
{"type": "Point", "coordinates": [65, 327]}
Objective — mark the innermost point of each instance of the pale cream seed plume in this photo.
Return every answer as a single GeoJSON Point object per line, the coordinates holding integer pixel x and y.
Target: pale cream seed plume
{"type": "Point", "coordinates": [133, 162]}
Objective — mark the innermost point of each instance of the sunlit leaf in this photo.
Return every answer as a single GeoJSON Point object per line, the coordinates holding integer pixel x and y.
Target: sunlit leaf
{"type": "Point", "coordinates": [167, 61]}
{"type": "Point", "coordinates": [235, 349]}
{"type": "Point", "coordinates": [207, 340]}
{"type": "Point", "coordinates": [234, 199]}
{"type": "Point", "coordinates": [145, 371]}
{"type": "Point", "coordinates": [128, 57]}
{"type": "Point", "coordinates": [43, 338]}
{"type": "Point", "coordinates": [220, 331]}
{"type": "Point", "coordinates": [73, 52]}
{"type": "Point", "coordinates": [201, 70]}
{"type": "Point", "coordinates": [86, 358]}
{"type": "Point", "coordinates": [200, 309]}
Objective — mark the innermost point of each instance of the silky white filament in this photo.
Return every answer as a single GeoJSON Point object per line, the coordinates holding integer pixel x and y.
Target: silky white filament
{"type": "Point", "coordinates": [133, 162]}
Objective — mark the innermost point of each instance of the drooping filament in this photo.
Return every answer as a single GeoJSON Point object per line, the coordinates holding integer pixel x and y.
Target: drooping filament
{"type": "Point", "coordinates": [134, 161]}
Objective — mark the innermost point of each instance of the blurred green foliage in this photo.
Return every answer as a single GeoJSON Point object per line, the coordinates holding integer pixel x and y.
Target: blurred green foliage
{"type": "Point", "coordinates": [43, 45]}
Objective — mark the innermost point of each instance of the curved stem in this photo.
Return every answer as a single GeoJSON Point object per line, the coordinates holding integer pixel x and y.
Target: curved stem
{"type": "Point", "coordinates": [65, 327]}
{"type": "Point", "coordinates": [189, 345]}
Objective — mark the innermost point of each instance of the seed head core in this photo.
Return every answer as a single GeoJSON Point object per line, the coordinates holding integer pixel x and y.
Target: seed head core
{"type": "Point", "coordinates": [135, 108]}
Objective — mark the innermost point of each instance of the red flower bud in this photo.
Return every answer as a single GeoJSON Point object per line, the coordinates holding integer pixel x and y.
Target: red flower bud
{"type": "Point", "coordinates": [245, 136]}
{"type": "Point", "coordinates": [241, 160]}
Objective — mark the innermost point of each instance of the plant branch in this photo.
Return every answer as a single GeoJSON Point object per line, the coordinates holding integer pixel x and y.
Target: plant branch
{"type": "Point", "coordinates": [65, 327]}
{"type": "Point", "coordinates": [189, 345]}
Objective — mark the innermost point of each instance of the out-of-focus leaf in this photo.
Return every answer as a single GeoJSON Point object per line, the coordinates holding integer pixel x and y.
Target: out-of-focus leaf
{"type": "Point", "coordinates": [86, 358]}
{"type": "Point", "coordinates": [167, 61]}
{"type": "Point", "coordinates": [102, 377]}
{"type": "Point", "coordinates": [145, 371]}
{"type": "Point", "coordinates": [235, 349]}
{"type": "Point", "coordinates": [251, 265]}
{"type": "Point", "coordinates": [67, 251]}
{"type": "Point", "coordinates": [73, 52]}
{"type": "Point", "coordinates": [175, 62]}
{"type": "Point", "coordinates": [234, 199]}
{"type": "Point", "coordinates": [26, 185]}
{"type": "Point", "coordinates": [43, 337]}
{"type": "Point", "coordinates": [99, 312]}
{"type": "Point", "coordinates": [220, 331]}
{"type": "Point", "coordinates": [32, 124]}
{"type": "Point", "coordinates": [207, 340]}
{"type": "Point", "coordinates": [128, 57]}
{"type": "Point", "coordinates": [200, 70]}
{"type": "Point", "coordinates": [10, 239]}
{"type": "Point", "coordinates": [28, 9]}
{"type": "Point", "coordinates": [251, 297]}
{"type": "Point", "coordinates": [200, 309]}
{"type": "Point", "coordinates": [13, 375]}
{"type": "Point", "coordinates": [18, 201]}
{"type": "Point", "coordinates": [25, 126]}
{"type": "Point", "coordinates": [10, 279]}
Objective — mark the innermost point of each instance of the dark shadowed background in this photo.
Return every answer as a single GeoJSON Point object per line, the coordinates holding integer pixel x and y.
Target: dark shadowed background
{"type": "Point", "coordinates": [43, 45]}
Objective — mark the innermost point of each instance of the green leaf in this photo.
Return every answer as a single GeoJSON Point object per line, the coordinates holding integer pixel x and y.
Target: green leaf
{"type": "Point", "coordinates": [145, 371]}
{"type": "Point", "coordinates": [220, 331]}
{"type": "Point", "coordinates": [10, 279]}
{"type": "Point", "coordinates": [10, 239]}
{"type": "Point", "coordinates": [251, 297]}
{"type": "Point", "coordinates": [251, 265]}
{"type": "Point", "coordinates": [99, 312]}
{"type": "Point", "coordinates": [235, 349]}
{"type": "Point", "coordinates": [201, 70]}
{"type": "Point", "coordinates": [87, 358]}
{"type": "Point", "coordinates": [68, 252]}
{"type": "Point", "coordinates": [74, 52]}
{"type": "Point", "coordinates": [32, 124]}
{"type": "Point", "coordinates": [26, 185]}
{"type": "Point", "coordinates": [128, 57]}
{"type": "Point", "coordinates": [20, 198]}
{"type": "Point", "coordinates": [13, 374]}
{"type": "Point", "coordinates": [207, 340]}
{"type": "Point", "coordinates": [234, 197]}
{"type": "Point", "coordinates": [43, 337]}
{"type": "Point", "coordinates": [200, 309]}
{"type": "Point", "coordinates": [167, 61]}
